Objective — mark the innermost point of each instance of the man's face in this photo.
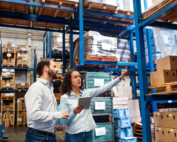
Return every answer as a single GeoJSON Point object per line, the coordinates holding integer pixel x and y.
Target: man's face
{"type": "Point", "coordinates": [53, 71]}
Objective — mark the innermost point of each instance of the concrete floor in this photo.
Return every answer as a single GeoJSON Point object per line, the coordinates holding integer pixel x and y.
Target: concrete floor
{"type": "Point", "coordinates": [17, 134]}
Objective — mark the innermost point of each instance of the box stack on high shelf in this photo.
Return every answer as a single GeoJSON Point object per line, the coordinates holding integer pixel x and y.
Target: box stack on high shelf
{"type": "Point", "coordinates": [102, 48]}
{"type": "Point", "coordinates": [164, 80]}
{"type": "Point", "coordinates": [8, 55]}
{"type": "Point", "coordinates": [22, 56]}
{"type": "Point", "coordinates": [21, 112]}
{"type": "Point", "coordinates": [57, 43]}
{"type": "Point", "coordinates": [8, 109]}
{"type": "Point", "coordinates": [8, 79]}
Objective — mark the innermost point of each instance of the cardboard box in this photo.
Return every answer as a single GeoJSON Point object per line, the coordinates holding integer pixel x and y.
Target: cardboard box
{"type": "Point", "coordinates": [162, 77]}
{"type": "Point", "coordinates": [160, 134]}
{"type": "Point", "coordinates": [171, 135]}
{"type": "Point", "coordinates": [167, 63]}
{"type": "Point", "coordinates": [163, 110]}
{"type": "Point", "coordinates": [159, 118]}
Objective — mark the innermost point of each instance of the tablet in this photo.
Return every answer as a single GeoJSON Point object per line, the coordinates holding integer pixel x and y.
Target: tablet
{"type": "Point", "coordinates": [85, 101]}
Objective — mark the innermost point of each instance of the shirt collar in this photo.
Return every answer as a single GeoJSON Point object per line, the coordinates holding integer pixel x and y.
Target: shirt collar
{"type": "Point", "coordinates": [45, 82]}
{"type": "Point", "coordinates": [72, 93]}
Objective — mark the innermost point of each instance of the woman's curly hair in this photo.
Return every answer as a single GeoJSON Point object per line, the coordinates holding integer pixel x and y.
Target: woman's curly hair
{"type": "Point", "coordinates": [66, 86]}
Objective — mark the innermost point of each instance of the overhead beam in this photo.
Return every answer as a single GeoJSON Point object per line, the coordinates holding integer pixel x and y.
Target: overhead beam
{"type": "Point", "coordinates": [30, 3]}
{"type": "Point", "coordinates": [31, 17]}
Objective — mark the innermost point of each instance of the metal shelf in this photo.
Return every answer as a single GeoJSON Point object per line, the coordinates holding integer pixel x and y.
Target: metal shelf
{"type": "Point", "coordinates": [18, 68]}
{"type": "Point", "coordinates": [12, 91]}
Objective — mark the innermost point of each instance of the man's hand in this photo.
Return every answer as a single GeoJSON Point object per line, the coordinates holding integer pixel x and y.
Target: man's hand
{"type": "Point", "coordinates": [65, 114]}
{"type": "Point", "coordinates": [60, 128]}
{"type": "Point", "coordinates": [123, 73]}
{"type": "Point", "coordinates": [78, 109]}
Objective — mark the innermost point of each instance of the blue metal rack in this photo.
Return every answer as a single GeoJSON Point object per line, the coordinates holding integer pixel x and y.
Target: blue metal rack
{"type": "Point", "coordinates": [138, 26]}
{"type": "Point", "coordinates": [146, 99]}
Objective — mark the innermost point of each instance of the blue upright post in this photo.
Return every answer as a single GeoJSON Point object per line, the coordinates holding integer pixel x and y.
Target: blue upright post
{"type": "Point", "coordinates": [150, 54]}
{"type": "Point", "coordinates": [142, 72]}
{"type": "Point", "coordinates": [81, 32]}
{"type": "Point", "coordinates": [47, 41]}
{"type": "Point", "coordinates": [35, 65]}
{"type": "Point", "coordinates": [133, 75]}
{"type": "Point", "coordinates": [44, 46]}
{"type": "Point", "coordinates": [71, 48]}
{"type": "Point", "coordinates": [63, 53]}
{"type": "Point", "coordinates": [50, 45]}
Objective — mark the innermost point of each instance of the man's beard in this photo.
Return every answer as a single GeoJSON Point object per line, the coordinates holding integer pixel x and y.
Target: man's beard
{"type": "Point", "coordinates": [52, 74]}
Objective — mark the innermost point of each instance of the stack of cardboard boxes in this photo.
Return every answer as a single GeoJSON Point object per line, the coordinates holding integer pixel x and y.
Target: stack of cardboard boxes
{"type": "Point", "coordinates": [6, 124]}
{"type": "Point", "coordinates": [8, 79]}
{"type": "Point", "coordinates": [22, 56]}
{"type": "Point", "coordinates": [122, 124]}
{"type": "Point", "coordinates": [8, 55]}
{"type": "Point", "coordinates": [21, 104]}
{"type": "Point", "coordinates": [166, 71]}
{"type": "Point", "coordinates": [21, 112]}
{"type": "Point", "coordinates": [165, 126]}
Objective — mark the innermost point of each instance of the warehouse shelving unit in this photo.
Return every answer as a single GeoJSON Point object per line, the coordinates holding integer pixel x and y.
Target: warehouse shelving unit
{"type": "Point", "coordinates": [75, 24]}
{"type": "Point", "coordinates": [146, 99]}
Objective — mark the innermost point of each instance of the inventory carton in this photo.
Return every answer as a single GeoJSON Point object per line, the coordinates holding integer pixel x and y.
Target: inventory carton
{"type": "Point", "coordinates": [162, 77]}
{"type": "Point", "coordinates": [160, 134]}
{"type": "Point", "coordinates": [167, 63]}
{"type": "Point", "coordinates": [171, 135]}
{"type": "Point", "coordinates": [159, 118]}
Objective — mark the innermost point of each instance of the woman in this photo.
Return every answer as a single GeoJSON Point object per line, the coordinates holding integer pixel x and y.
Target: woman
{"type": "Point", "coordinates": [80, 122]}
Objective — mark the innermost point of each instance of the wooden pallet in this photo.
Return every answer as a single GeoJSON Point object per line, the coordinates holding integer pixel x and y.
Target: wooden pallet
{"type": "Point", "coordinates": [171, 17]}
{"type": "Point", "coordinates": [156, 7]}
{"type": "Point", "coordinates": [7, 115]}
{"type": "Point", "coordinates": [101, 7]}
{"type": "Point", "coordinates": [137, 131]}
{"type": "Point", "coordinates": [20, 86]}
{"type": "Point", "coordinates": [100, 58]}
{"type": "Point", "coordinates": [13, 7]}
{"type": "Point", "coordinates": [5, 56]}
{"type": "Point", "coordinates": [7, 87]}
{"type": "Point", "coordinates": [22, 65]}
{"type": "Point", "coordinates": [54, 12]}
{"type": "Point", "coordinates": [167, 88]}
{"type": "Point", "coordinates": [21, 120]}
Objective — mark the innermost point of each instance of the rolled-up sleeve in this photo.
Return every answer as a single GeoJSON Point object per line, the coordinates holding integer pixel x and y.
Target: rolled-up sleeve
{"type": "Point", "coordinates": [33, 101]}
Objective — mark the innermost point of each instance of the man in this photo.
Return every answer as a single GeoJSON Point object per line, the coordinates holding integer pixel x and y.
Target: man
{"type": "Point", "coordinates": [41, 105]}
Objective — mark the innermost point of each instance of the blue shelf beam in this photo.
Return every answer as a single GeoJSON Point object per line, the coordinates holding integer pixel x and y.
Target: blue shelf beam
{"type": "Point", "coordinates": [157, 102]}
{"type": "Point", "coordinates": [111, 63]}
{"type": "Point", "coordinates": [12, 91]}
{"type": "Point", "coordinates": [31, 28]}
{"type": "Point", "coordinates": [151, 98]}
{"type": "Point", "coordinates": [31, 17]}
{"type": "Point", "coordinates": [92, 12]}
{"type": "Point", "coordinates": [18, 68]}
{"type": "Point", "coordinates": [80, 67]}
{"type": "Point", "coordinates": [164, 25]}
{"type": "Point", "coordinates": [41, 5]}
{"type": "Point", "coordinates": [107, 20]}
